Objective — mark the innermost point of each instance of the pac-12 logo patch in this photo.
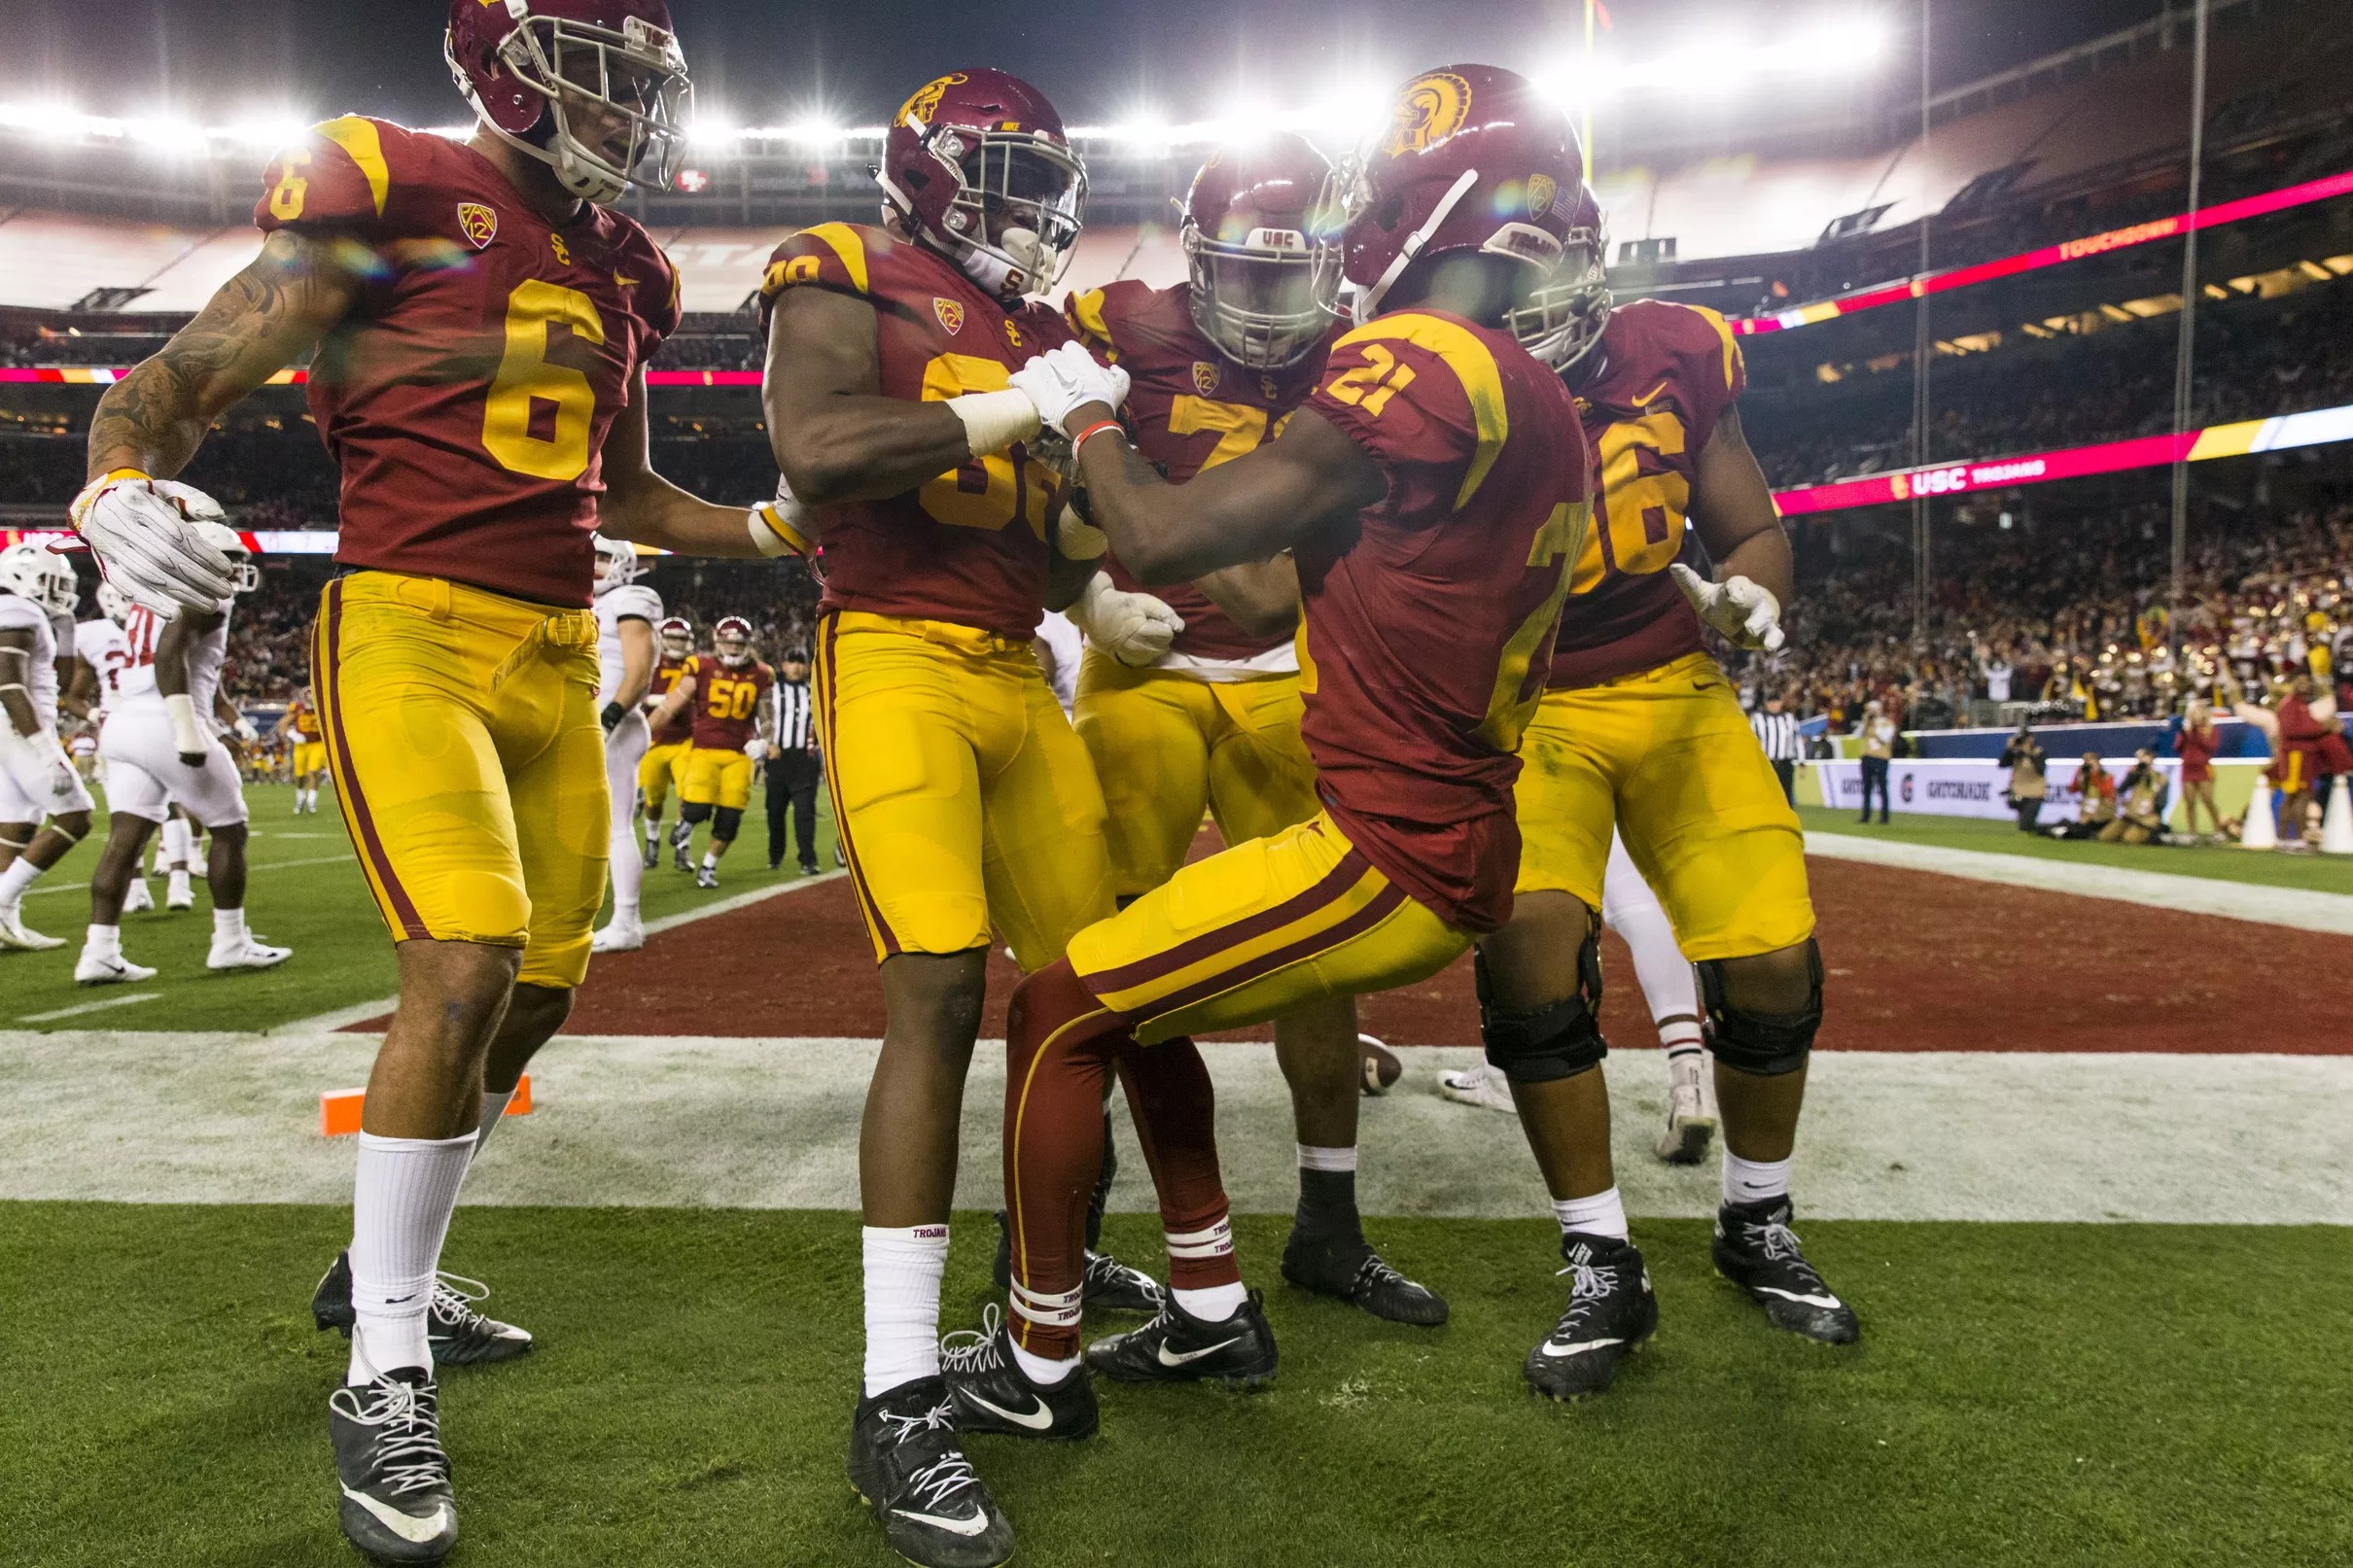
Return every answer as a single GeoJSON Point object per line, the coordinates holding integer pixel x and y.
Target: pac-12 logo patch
{"type": "Point", "coordinates": [479, 224]}
{"type": "Point", "coordinates": [951, 314]}
{"type": "Point", "coordinates": [1204, 377]}
{"type": "Point", "coordinates": [1541, 189]}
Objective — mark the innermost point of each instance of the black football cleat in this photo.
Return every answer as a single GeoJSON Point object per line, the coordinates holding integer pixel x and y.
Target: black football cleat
{"type": "Point", "coordinates": [460, 1335]}
{"type": "Point", "coordinates": [1610, 1312]}
{"type": "Point", "coordinates": [654, 854]}
{"type": "Point", "coordinates": [1756, 1250]}
{"type": "Point", "coordinates": [993, 1394]}
{"type": "Point", "coordinates": [908, 1467]}
{"type": "Point", "coordinates": [1111, 1286]}
{"type": "Point", "coordinates": [681, 837]}
{"type": "Point", "coordinates": [1348, 1267]}
{"type": "Point", "coordinates": [1178, 1348]}
{"type": "Point", "coordinates": [397, 1504]}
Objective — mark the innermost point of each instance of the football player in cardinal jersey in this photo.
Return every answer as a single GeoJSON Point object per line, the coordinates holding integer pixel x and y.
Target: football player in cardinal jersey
{"type": "Point", "coordinates": [44, 808]}
{"type": "Point", "coordinates": [626, 614]}
{"type": "Point", "coordinates": [306, 751]}
{"type": "Point", "coordinates": [963, 799]}
{"type": "Point", "coordinates": [657, 773]}
{"type": "Point", "coordinates": [1638, 728]}
{"type": "Point", "coordinates": [1216, 366]}
{"type": "Point", "coordinates": [160, 752]}
{"type": "Point", "coordinates": [727, 695]}
{"type": "Point", "coordinates": [1433, 491]}
{"type": "Point", "coordinates": [482, 321]}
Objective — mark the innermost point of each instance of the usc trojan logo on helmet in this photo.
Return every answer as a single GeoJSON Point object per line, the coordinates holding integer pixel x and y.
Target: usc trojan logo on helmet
{"type": "Point", "coordinates": [926, 98]}
{"type": "Point", "coordinates": [1431, 108]}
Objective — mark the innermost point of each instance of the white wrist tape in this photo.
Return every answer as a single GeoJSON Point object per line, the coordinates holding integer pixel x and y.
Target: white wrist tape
{"type": "Point", "coordinates": [185, 733]}
{"type": "Point", "coordinates": [1077, 539]}
{"type": "Point", "coordinates": [994, 419]}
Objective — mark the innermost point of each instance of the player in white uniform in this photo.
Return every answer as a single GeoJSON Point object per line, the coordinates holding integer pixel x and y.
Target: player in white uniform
{"type": "Point", "coordinates": [106, 653]}
{"type": "Point", "coordinates": [160, 749]}
{"type": "Point", "coordinates": [1632, 910]}
{"type": "Point", "coordinates": [626, 614]}
{"type": "Point", "coordinates": [37, 784]}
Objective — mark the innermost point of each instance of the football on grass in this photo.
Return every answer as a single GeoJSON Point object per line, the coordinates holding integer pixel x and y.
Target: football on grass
{"type": "Point", "coordinates": [1381, 1066]}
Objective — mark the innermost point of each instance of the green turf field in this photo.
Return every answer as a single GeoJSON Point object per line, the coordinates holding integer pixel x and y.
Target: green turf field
{"type": "Point", "coordinates": [2072, 1395]}
{"type": "Point", "coordinates": [2222, 861]}
{"type": "Point", "coordinates": [306, 894]}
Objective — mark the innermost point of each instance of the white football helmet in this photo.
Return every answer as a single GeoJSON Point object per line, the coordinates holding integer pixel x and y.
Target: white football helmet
{"type": "Point", "coordinates": [114, 603]}
{"type": "Point", "coordinates": [230, 543]}
{"type": "Point", "coordinates": [617, 563]}
{"type": "Point", "coordinates": [38, 573]}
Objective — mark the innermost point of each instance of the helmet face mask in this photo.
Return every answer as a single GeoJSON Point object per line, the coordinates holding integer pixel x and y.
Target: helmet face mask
{"type": "Point", "coordinates": [732, 638]}
{"type": "Point", "coordinates": [977, 168]}
{"type": "Point", "coordinates": [1562, 320]}
{"type": "Point", "coordinates": [1257, 238]}
{"type": "Point", "coordinates": [596, 89]}
{"type": "Point", "coordinates": [617, 564]}
{"type": "Point", "coordinates": [226, 539]}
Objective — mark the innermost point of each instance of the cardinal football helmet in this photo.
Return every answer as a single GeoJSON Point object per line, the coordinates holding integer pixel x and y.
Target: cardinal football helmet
{"type": "Point", "coordinates": [1259, 237]}
{"type": "Point", "coordinates": [617, 563]}
{"type": "Point", "coordinates": [540, 72]}
{"type": "Point", "coordinates": [977, 167]}
{"type": "Point", "coordinates": [1473, 159]}
{"type": "Point", "coordinates": [732, 637]}
{"type": "Point", "coordinates": [678, 637]}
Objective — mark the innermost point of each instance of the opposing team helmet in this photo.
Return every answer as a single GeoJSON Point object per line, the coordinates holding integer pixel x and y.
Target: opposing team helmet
{"type": "Point", "coordinates": [246, 576]}
{"type": "Point", "coordinates": [617, 563]}
{"type": "Point", "coordinates": [113, 603]}
{"type": "Point", "coordinates": [732, 637]}
{"type": "Point", "coordinates": [38, 573]}
{"type": "Point", "coordinates": [1259, 238]}
{"type": "Point", "coordinates": [678, 637]}
{"type": "Point", "coordinates": [1472, 159]}
{"type": "Point", "coordinates": [978, 167]}
{"type": "Point", "coordinates": [529, 67]}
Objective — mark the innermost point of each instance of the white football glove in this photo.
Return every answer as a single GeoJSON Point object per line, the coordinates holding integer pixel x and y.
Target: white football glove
{"type": "Point", "coordinates": [1064, 379]}
{"type": "Point", "coordinates": [1134, 628]}
{"type": "Point", "coordinates": [1077, 539]}
{"type": "Point", "coordinates": [1736, 610]}
{"type": "Point", "coordinates": [42, 753]}
{"type": "Point", "coordinates": [246, 733]}
{"type": "Point", "coordinates": [782, 526]}
{"type": "Point", "coordinates": [143, 533]}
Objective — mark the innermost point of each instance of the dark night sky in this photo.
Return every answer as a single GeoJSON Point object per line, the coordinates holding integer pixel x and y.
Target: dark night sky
{"type": "Point", "coordinates": [220, 60]}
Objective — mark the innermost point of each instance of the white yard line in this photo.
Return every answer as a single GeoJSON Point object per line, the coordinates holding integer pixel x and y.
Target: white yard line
{"type": "Point", "coordinates": [342, 1018]}
{"type": "Point", "coordinates": [101, 1006]}
{"type": "Point", "coordinates": [773, 1123]}
{"type": "Point", "coordinates": [257, 865]}
{"type": "Point", "coordinates": [2299, 908]}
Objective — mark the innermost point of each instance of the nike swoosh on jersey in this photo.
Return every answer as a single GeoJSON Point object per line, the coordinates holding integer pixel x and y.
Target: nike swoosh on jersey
{"type": "Point", "coordinates": [1803, 1299]}
{"type": "Point", "coordinates": [1652, 393]}
{"type": "Point", "coordinates": [1554, 1348]}
{"type": "Point", "coordinates": [1183, 1357]}
{"type": "Point", "coordinates": [1037, 1421]}
{"type": "Point", "coordinates": [404, 1526]}
{"type": "Point", "coordinates": [971, 1527]}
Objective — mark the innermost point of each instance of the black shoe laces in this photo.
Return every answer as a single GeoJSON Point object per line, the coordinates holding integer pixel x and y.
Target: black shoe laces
{"type": "Point", "coordinates": [406, 1451]}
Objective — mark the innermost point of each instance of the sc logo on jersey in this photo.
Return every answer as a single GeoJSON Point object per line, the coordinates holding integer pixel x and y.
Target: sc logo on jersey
{"type": "Point", "coordinates": [1432, 108]}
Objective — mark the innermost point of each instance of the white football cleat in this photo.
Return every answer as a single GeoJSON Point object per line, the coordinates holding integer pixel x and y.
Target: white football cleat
{"type": "Point", "coordinates": [1691, 1112]}
{"type": "Point", "coordinates": [15, 933]}
{"type": "Point", "coordinates": [247, 952]}
{"type": "Point", "coordinates": [179, 895]}
{"type": "Point", "coordinates": [138, 901]}
{"type": "Point", "coordinates": [618, 938]}
{"type": "Point", "coordinates": [108, 969]}
{"type": "Point", "coordinates": [1482, 1085]}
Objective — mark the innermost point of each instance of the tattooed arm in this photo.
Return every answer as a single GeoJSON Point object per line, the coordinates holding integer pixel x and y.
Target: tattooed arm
{"type": "Point", "coordinates": [262, 319]}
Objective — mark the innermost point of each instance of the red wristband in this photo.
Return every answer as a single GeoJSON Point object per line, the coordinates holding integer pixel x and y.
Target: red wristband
{"type": "Point", "coordinates": [1098, 428]}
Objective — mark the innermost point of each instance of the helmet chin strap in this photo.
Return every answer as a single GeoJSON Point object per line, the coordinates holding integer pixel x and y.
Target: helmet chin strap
{"type": "Point", "coordinates": [1414, 241]}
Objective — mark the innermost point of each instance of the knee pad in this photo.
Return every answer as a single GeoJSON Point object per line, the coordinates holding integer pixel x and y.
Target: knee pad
{"type": "Point", "coordinates": [1558, 1041]}
{"type": "Point", "coordinates": [724, 820]}
{"type": "Point", "coordinates": [1767, 1044]}
{"type": "Point", "coordinates": [692, 811]}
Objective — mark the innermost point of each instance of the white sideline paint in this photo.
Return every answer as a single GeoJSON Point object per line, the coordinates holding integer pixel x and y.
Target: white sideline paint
{"type": "Point", "coordinates": [46, 888]}
{"type": "Point", "coordinates": [2299, 908]}
{"type": "Point", "coordinates": [80, 1008]}
{"type": "Point", "coordinates": [342, 1018]}
{"type": "Point", "coordinates": [758, 1124]}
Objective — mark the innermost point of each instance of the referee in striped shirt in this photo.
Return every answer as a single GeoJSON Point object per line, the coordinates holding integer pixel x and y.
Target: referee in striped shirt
{"type": "Point", "coordinates": [794, 767]}
{"type": "Point", "coordinates": [1778, 733]}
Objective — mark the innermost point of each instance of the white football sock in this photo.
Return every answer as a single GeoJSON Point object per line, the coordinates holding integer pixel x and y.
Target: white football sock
{"type": "Point", "coordinates": [1680, 1036]}
{"type": "Point", "coordinates": [1752, 1181]}
{"type": "Point", "coordinates": [654, 832]}
{"type": "Point", "coordinates": [177, 839]}
{"type": "Point", "coordinates": [1311, 1158]}
{"type": "Point", "coordinates": [15, 880]}
{"type": "Point", "coordinates": [1214, 1304]}
{"type": "Point", "coordinates": [399, 1211]}
{"type": "Point", "coordinates": [1042, 1372]}
{"type": "Point", "coordinates": [710, 860]}
{"type": "Point", "coordinates": [179, 887]}
{"type": "Point", "coordinates": [103, 941]}
{"type": "Point", "coordinates": [227, 925]}
{"type": "Point", "coordinates": [493, 1111]}
{"type": "Point", "coordinates": [903, 1266]}
{"type": "Point", "coordinates": [1601, 1215]}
